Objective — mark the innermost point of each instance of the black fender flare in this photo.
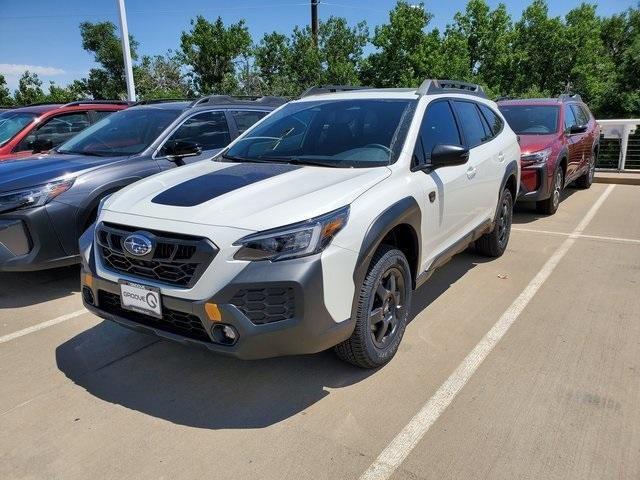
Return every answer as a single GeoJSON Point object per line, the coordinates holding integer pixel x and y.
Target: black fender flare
{"type": "Point", "coordinates": [510, 170]}
{"type": "Point", "coordinates": [404, 211]}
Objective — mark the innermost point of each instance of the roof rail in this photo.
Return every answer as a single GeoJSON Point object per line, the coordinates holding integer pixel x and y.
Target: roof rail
{"type": "Point", "coordinates": [96, 102]}
{"type": "Point", "coordinates": [319, 90]}
{"type": "Point", "coordinates": [151, 101]}
{"type": "Point", "coordinates": [248, 99]}
{"type": "Point", "coordinates": [37, 104]}
{"type": "Point", "coordinates": [434, 86]}
{"type": "Point", "coordinates": [565, 97]}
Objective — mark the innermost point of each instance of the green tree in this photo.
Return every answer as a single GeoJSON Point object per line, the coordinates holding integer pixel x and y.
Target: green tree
{"type": "Point", "coordinates": [5, 95]}
{"type": "Point", "coordinates": [541, 51]}
{"type": "Point", "coordinates": [488, 35]}
{"type": "Point", "coordinates": [108, 80]}
{"type": "Point", "coordinates": [161, 76]}
{"type": "Point", "coordinates": [29, 89]}
{"type": "Point", "coordinates": [273, 64]}
{"type": "Point", "coordinates": [405, 53]}
{"type": "Point", "coordinates": [341, 49]}
{"type": "Point", "coordinates": [211, 50]}
{"type": "Point", "coordinates": [590, 70]}
{"type": "Point", "coordinates": [621, 38]}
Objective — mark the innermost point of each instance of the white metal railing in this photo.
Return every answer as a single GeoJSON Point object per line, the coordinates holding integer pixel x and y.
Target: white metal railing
{"type": "Point", "coordinates": [621, 130]}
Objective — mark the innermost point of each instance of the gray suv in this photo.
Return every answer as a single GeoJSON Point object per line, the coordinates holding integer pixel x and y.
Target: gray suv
{"type": "Point", "coordinates": [47, 201]}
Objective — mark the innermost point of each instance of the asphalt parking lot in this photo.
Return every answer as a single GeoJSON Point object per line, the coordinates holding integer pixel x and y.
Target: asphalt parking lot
{"type": "Point", "coordinates": [523, 367]}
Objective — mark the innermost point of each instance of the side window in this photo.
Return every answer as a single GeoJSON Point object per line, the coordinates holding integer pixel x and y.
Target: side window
{"type": "Point", "coordinates": [245, 118]}
{"type": "Point", "coordinates": [581, 116]}
{"type": "Point", "coordinates": [472, 124]}
{"type": "Point", "coordinates": [207, 129]}
{"type": "Point", "coordinates": [56, 130]}
{"type": "Point", "coordinates": [569, 117]}
{"type": "Point", "coordinates": [99, 115]}
{"type": "Point", "coordinates": [438, 128]}
{"type": "Point", "coordinates": [494, 121]}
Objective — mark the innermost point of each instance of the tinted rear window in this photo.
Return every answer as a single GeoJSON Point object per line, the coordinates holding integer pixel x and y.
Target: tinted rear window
{"type": "Point", "coordinates": [531, 119]}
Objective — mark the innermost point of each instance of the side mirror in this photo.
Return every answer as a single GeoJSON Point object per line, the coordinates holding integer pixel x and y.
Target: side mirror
{"type": "Point", "coordinates": [577, 129]}
{"type": "Point", "coordinates": [448, 156]}
{"type": "Point", "coordinates": [178, 149]}
{"type": "Point", "coordinates": [42, 145]}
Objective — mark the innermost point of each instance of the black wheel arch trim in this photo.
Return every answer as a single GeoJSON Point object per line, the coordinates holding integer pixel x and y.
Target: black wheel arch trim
{"type": "Point", "coordinates": [404, 211]}
{"type": "Point", "coordinates": [511, 170]}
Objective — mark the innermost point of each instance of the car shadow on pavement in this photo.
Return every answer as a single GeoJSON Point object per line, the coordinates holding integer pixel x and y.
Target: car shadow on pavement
{"type": "Point", "coordinates": [525, 212]}
{"type": "Point", "coordinates": [196, 388]}
{"type": "Point", "coordinates": [443, 278]}
{"type": "Point", "coordinates": [22, 289]}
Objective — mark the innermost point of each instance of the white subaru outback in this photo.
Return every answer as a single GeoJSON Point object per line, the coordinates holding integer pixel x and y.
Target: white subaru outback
{"type": "Point", "coordinates": [313, 228]}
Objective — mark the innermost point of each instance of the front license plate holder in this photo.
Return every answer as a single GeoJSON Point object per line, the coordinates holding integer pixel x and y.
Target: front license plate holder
{"type": "Point", "coordinates": [141, 298]}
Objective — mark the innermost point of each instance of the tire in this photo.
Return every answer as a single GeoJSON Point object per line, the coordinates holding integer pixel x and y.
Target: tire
{"type": "Point", "coordinates": [381, 316]}
{"type": "Point", "coordinates": [494, 243]}
{"type": "Point", "coordinates": [550, 205]}
{"type": "Point", "coordinates": [586, 180]}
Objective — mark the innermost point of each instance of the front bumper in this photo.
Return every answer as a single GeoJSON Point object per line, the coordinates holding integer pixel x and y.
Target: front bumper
{"type": "Point", "coordinates": [534, 183]}
{"type": "Point", "coordinates": [29, 242]}
{"type": "Point", "coordinates": [308, 329]}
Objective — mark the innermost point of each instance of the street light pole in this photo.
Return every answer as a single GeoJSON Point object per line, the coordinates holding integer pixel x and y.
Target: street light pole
{"type": "Point", "coordinates": [126, 52]}
{"type": "Point", "coordinates": [314, 20]}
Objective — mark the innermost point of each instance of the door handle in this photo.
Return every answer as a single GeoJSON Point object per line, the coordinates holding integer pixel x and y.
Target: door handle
{"type": "Point", "coordinates": [501, 157]}
{"type": "Point", "coordinates": [471, 172]}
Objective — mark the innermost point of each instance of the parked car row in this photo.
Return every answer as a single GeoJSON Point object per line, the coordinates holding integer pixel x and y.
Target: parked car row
{"type": "Point", "coordinates": [304, 230]}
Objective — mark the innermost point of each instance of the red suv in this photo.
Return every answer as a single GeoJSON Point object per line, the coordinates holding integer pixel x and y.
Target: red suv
{"type": "Point", "coordinates": [38, 128]}
{"type": "Point", "coordinates": [559, 139]}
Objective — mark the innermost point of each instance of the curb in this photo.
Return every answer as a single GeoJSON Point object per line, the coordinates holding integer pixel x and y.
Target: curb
{"type": "Point", "coordinates": [617, 178]}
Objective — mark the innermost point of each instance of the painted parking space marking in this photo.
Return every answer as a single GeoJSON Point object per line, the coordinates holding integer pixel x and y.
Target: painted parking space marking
{"type": "Point", "coordinates": [403, 444]}
{"type": "Point", "coordinates": [43, 325]}
{"type": "Point", "coordinates": [582, 235]}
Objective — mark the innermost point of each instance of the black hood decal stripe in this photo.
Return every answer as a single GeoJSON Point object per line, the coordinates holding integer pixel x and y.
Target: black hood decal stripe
{"type": "Point", "coordinates": [211, 185]}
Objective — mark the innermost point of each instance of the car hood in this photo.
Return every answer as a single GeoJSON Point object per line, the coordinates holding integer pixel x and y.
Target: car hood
{"type": "Point", "coordinates": [37, 170]}
{"type": "Point", "coordinates": [251, 196]}
{"type": "Point", "coordinates": [534, 143]}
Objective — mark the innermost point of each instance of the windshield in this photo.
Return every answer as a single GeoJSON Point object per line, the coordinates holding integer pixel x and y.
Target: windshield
{"type": "Point", "coordinates": [12, 122]}
{"type": "Point", "coordinates": [123, 133]}
{"type": "Point", "coordinates": [333, 133]}
{"type": "Point", "coordinates": [531, 119]}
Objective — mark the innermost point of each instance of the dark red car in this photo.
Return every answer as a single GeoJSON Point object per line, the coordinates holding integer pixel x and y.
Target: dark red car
{"type": "Point", "coordinates": [37, 128]}
{"type": "Point", "coordinates": [559, 139]}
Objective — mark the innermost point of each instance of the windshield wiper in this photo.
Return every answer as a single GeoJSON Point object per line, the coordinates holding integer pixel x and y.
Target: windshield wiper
{"type": "Point", "coordinates": [243, 159]}
{"type": "Point", "coordinates": [73, 152]}
{"type": "Point", "coordinates": [304, 161]}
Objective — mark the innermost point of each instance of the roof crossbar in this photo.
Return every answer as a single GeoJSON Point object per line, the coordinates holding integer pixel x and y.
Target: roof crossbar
{"type": "Point", "coordinates": [435, 86]}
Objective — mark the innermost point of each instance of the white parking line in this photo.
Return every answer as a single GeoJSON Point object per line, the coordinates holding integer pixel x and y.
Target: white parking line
{"type": "Point", "coordinates": [40, 326]}
{"type": "Point", "coordinates": [590, 237]}
{"type": "Point", "coordinates": [402, 445]}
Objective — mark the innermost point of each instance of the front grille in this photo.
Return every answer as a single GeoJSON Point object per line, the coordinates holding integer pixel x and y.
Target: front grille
{"type": "Point", "coordinates": [265, 305]}
{"type": "Point", "coordinates": [172, 321]}
{"type": "Point", "coordinates": [175, 260]}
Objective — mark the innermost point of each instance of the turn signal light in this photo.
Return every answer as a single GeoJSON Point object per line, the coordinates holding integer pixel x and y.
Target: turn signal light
{"type": "Point", "coordinates": [213, 312]}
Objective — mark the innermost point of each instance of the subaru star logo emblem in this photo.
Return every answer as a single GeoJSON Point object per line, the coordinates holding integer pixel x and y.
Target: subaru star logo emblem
{"type": "Point", "coordinates": [138, 245]}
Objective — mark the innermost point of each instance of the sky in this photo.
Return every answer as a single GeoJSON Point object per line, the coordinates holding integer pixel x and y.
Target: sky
{"type": "Point", "coordinates": [43, 35]}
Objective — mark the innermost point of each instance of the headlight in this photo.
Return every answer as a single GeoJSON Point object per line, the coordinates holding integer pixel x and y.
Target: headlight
{"type": "Point", "coordinates": [34, 196]}
{"type": "Point", "coordinates": [535, 158]}
{"type": "Point", "coordinates": [297, 240]}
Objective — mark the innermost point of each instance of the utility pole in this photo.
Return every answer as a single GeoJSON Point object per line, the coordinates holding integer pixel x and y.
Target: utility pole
{"type": "Point", "coordinates": [126, 52]}
{"type": "Point", "coordinates": [314, 20]}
